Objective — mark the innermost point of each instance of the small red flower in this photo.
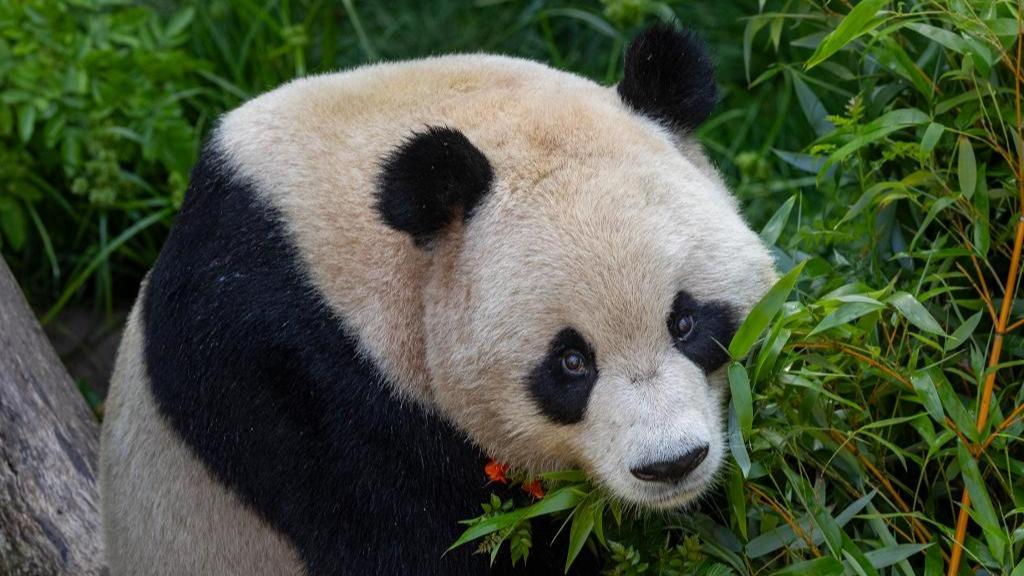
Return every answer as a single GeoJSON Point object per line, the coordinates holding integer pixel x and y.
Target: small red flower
{"type": "Point", "coordinates": [495, 471]}
{"type": "Point", "coordinates": [534, 488]}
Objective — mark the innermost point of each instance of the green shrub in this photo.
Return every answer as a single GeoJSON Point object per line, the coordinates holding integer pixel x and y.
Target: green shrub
{"type": "Point", "coordinates": [881, 380]}
{"type": "Point", "coordinates": [98, 131]}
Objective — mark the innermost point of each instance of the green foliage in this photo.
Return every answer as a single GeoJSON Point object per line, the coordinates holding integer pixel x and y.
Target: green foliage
{"type": "Point", "coordinates": [858, 380]}
{"type": "Point", "coordinates": [876, 145]}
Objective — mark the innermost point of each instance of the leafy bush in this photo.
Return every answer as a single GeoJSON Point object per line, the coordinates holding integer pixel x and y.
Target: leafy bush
{"type": "Point", "coordinates": [876, 415]}
{"type": "Point", "coordinates": [97, 135]}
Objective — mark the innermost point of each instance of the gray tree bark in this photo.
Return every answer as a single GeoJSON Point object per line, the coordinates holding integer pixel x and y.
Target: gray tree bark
{"type": "Point", "coordinates": [49, 440]}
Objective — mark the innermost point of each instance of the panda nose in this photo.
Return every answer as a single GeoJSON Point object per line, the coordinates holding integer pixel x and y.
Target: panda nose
{"type": "Point", "coordinates": [672, 470]}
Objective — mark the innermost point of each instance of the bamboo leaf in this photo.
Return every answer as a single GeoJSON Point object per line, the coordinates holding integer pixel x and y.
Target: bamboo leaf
{"type": "Point", "coordinates": [773, 229]}
{"type": "Point", "coordinates": [915, 312]}
{"type": "Point", "coordinates": [763, 312]}
{"type": "Point", "coordinates": [739, 385]}
{"type": "Point", "coordinates": [858, 22]}
{"type": "Point", "coordinates": [582, 526]}
{"type": "Point", "coordinates": [967, 168]}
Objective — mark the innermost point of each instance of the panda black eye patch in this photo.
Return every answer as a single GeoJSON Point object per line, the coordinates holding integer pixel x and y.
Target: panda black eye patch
{"type": "Point", "coordinates": [702, 330]}
{"type": "Point", "coordinates": [561, 382]}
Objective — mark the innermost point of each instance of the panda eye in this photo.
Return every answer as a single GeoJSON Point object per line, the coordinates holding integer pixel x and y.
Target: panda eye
{"type": "Point", "coordinates": [574, 363]}
{"type": "Point", "coordinates": [683, 327]}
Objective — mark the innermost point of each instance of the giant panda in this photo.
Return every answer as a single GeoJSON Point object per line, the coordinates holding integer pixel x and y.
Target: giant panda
{"type": "Point", "coordinates": [382, 277]}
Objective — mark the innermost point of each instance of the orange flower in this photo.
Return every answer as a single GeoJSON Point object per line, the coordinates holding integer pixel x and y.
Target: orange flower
{"type": "Point", "coordinates": [495, 471]}
{"type": "Point", "coordinates": [534, 488]}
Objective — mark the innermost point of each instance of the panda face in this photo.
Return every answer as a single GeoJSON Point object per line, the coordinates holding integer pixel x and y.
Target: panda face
{"type": "Point", "coordinates": [582, 318]}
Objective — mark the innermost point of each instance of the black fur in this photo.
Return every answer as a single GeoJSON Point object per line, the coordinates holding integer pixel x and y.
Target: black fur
{"type": "Point", "coordinates": [563, 397]}
{"type": "Point", "coordinates": [714, 326]}
{"type": "Point", "coordinates": [669, 77]}
{"type": "Point", "coordinates": [266, 387]}
{"type": "Point", "coordinates": [428, 180]}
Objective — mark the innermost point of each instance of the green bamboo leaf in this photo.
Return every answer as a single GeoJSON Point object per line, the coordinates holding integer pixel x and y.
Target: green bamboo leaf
{"type": "Point", "coordinates": [892, 554]}
{"type": "Point", "coordinates": [984, 512]}
{"type": "Point", "coordinates": [488, 526]}
{"type": "Point", "coordinates": [814, 110]}
{"type": "Point", "coordinates": [940, 36]}
{"type": "Point", "coordinates": [582, 526]}
{"type": "Point", "coordinates": [845, 314]}
{"type": "Point", "coordinates": [739, 385]}
{"type": "Point", "coordinates": [928, 395]}
{"type": "Point", "coordinates": [736, 445]}
{"type": "Point", "coordinates": [915, 312]}
{"type": "Point", "coordinates": [737, 501]}
{"type": "Point", "coordinates": [963, 332]}
{"type": "Point", "coordinates": [26, 121]}
{"type": "Point", "coordinates": [931, 136]}
{"type": "Point", "coordinates": [858, 22]}
{"type": "Point", "coordinates": [773, 229]}
{"type": "Point", "coordinates": [953, 406]}
{"type": "Point", "coordinates": [763, 312]}
{"type": "Point", "coordinates": [561, 499]}
{"type": "Point", "coordinates": [874, 131]}
{"type": "Point", "coordinates": [967, 168]}
{"type": "Point", "coordinates": [13, 224]}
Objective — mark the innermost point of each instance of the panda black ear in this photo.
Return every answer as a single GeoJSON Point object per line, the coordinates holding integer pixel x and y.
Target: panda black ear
{"type": "Point", "coordinates": [669, 77]}
{"type": "Point", "coordinates": [429, 180]}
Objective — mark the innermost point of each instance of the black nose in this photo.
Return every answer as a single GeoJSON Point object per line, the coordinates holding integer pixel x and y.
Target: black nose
{"type": "Point", "coordinates": [672, 470]}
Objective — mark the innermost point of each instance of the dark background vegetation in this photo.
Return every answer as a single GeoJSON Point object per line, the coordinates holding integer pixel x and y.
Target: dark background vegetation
{"type": "Point", "coordinates": [876, 145]}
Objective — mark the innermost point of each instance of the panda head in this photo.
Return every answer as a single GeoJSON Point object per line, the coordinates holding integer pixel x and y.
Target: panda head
{"type": "Point", "coordinates": [588, 269]}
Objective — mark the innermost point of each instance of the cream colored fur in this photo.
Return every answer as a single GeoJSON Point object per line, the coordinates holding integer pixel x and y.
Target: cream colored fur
{"type": "Point", "coordinates": [596, 219]}
{"type": "Point", "coordinates": [163, 513]}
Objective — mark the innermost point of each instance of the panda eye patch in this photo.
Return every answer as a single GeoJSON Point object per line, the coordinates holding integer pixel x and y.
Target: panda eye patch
{"type": "Point", "coordinates": [702, 330]}
{"type": "Point", "coordinates": [561, 380]}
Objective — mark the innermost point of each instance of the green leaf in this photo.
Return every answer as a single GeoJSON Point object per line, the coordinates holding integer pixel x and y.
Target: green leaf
{"type": "Point", "coordinates": [736, 445]}
{"type": "Point", "coordinates": [915, 312]}
{"type": "Point", "coordinates": [892, 554]}
{"type": "Point", "coordinates": [814, 110]}
{"type": "Point", "coordinates": [967, 168]}
{"type": "Point", "coordinates": [739, 385]}
{"type": "Point", "coordinates": [826, 566]}
{"type": "Point", "coordinates": [573, 476]}
{"type": "Point", "coordinates": [773, 229]}
{"type": "Point", "coordinates": [844, 314]}
{"type": "Point", "coordinates": [928, 395]}
{"type": "Point", "coordinates": [940, 36]}
{"type": "Point", "coordinates": [953, 406]}
{"type": "Point", "coordinates": [582, 526]}
{"type": "Point", "coordinates": [858, 22]}
{"type": "Point", "coordinates": [931, 136]}
{"type": "Point", "coordinates": [737, 501]}
{"type": "Point", "coordinates": [985, 513]}
{"type": "Point", "coordinates": [963, 332]}
{"type": "Point", "coordinates": [876, 130]}
{"type": "Point", "coordinates": [179, 22]}
{"type": "Point", "coordinates": [561, 499]}
{"type": "Point", "coordinates": [13, 223]}
{"type": "Point", "coordinates": [26, 121]}
{"type": "Point", "coordinates": [763, 312]}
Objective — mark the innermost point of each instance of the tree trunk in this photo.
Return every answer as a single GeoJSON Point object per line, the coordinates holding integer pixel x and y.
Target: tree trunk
{"type": "Point", "coordinates": [49, 503]}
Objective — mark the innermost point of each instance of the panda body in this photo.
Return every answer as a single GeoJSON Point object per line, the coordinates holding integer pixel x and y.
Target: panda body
{"type": "Point", "coordinates": [380, 276]}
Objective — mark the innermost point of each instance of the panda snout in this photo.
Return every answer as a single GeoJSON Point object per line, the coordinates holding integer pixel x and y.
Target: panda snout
{"type": "Point", "coordinates": [673, 470]}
